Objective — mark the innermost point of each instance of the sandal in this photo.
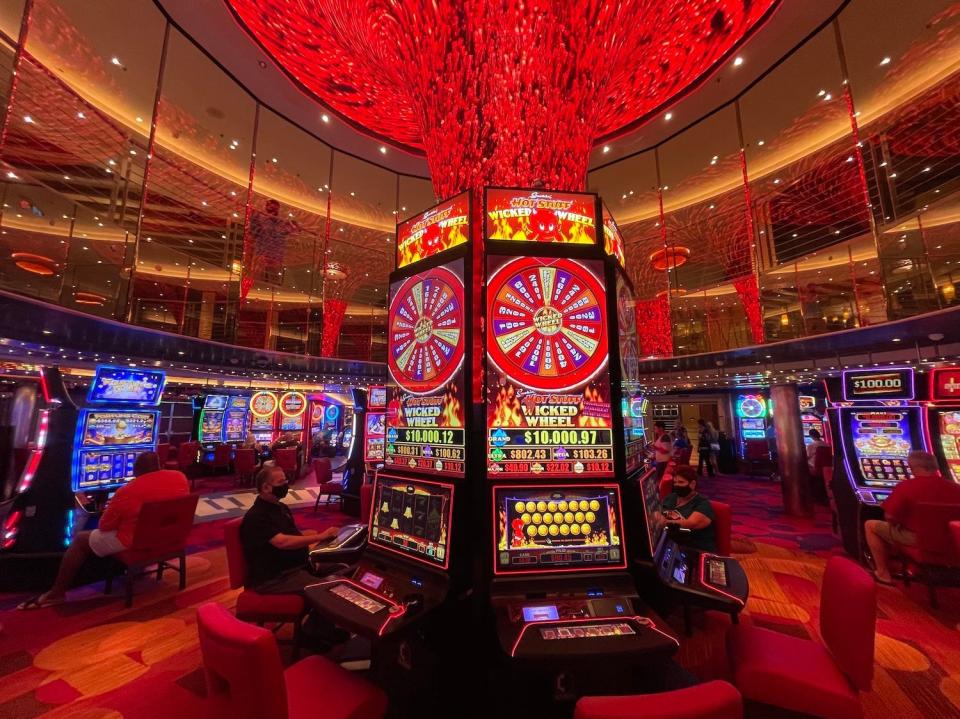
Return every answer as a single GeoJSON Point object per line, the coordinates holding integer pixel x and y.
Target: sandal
{"type": "Point", "coordinates": [39, 602]}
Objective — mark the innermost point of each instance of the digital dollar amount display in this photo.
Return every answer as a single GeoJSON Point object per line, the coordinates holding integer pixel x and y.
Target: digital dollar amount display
{"type": "Point", "coordinates": [894, 383]}
{"type": "Point", "coordinates": [548, 391]}
{"type": "Point", "coordinates": [426, 337]}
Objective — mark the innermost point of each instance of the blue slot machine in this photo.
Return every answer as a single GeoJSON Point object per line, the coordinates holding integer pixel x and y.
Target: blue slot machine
{"type": "Point", "coordinates": [753, 412]}
{"type": "Point", "coordinates": [235, 419]}
{"type": "Point", "coordinates": [119, 423]}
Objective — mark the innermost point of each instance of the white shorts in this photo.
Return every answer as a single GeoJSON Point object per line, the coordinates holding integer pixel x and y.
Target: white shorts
{"type": "Point", "coordinates": [104, 544]}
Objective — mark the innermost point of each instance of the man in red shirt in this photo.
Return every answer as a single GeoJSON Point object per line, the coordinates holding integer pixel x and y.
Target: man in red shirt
{"type": "Point", "coordinates": [117, 524]}
{"type": "Point", "coordinates": [900, 527]}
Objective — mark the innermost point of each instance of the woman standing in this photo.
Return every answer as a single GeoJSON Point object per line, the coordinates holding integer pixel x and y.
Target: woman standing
{"type": "Point", "coordinates": [706, 436]}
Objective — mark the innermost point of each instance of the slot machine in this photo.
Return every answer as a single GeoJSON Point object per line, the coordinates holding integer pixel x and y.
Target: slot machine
{"type": "Point", "coordinates": [690, 575]}
{"type": "Point", "coordinates": [209, 425]}
{"type": "Point", "coordinates": [235, 418]}
{"type": "Point", "coordinates": [876, 424]}
{"type": "Point", "coordinates": [943, 420]}
{"type": "Point", "coordinates": [811, 417]}
{"type": "Point", "coordinates": [417, 560]}
{"type": "Point", "coordinates": [752, 413]}
{"type": "Point", "coordinates": [561, 347]}
{"type": "Point", "coordinates": [292, 408]}
{"type": "Point", "coordinates": [263, 417]}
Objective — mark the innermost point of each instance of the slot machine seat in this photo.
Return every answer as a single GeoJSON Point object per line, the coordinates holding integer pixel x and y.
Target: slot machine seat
{"type": "Point", "coordinates": [244, 465]}
{"type": "Point", "coordinates": [807, 676]}
{"type": "Point", "coordinates": [366, 504]}
{"type": "Point", "coordinates": [163, 528]}
{"type": "Point", "coordinates": [756, 453]}
{"type": "Point", "coordinates": [711, 700]}
{"type": "Point", "coordinates": [253, 606]}
{"type": "Point", "coordinates": [722, 527]}
{"type": "Point", "coordinates": [188, 455]}
{"type": "Point", "coordinates": [936, 555]}
{"type": "Point", "coordinates": [286, 459]}
{"type": "Point", "coordinates": [326, 485]}
{"type": "Point", "coordinates": [246, 679]}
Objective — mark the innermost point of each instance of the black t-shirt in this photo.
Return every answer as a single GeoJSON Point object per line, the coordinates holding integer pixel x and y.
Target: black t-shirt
{"type": "Point", "coordinates": [262, 522]}
{"type": "Point", "coordinates": [704, 539]}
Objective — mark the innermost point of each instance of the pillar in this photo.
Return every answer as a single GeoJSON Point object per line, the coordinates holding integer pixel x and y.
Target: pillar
{"type": "Point", "coordinates": [791, 453]}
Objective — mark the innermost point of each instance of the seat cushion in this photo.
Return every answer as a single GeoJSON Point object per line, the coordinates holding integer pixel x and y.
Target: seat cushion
{"type": "Point", "coordinates": [146, 556]}
{"type": "Point", "coordinates": [330, 488]}
{"type": "Point", "coordinates": [252, 606]}
{"type": "Point", "coordinates": [790, 673]}
{"type": "Point", "coordinates": [712, 700]}
{"type": "Point", "coordinates": [317, 686]}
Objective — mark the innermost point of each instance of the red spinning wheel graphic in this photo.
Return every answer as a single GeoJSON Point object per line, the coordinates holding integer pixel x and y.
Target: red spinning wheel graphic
{"type": "Point", "coordinates": [426, 323]}
{"type": "Point", "coordinates": [547, 323]}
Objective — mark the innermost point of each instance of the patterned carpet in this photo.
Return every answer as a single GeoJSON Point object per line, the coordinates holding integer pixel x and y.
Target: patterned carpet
{"type": "Point", "coordinates": [93, 659]}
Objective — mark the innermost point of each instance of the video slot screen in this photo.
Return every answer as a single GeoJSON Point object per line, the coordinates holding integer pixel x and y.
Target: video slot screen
{"type": "Point", "coordinates": [211, 425]}
{"type": "Point", "coordinates": [882, 440]}
{"type": "Point", "coordinates": [235, 425]}
{"type": "Point", "coordinates": [653, 510]}
{"type": "Point", "coordinates": [117, 384]}
{"type": "Point", "coordinates": [433, 231]}
{"type": "Point", "coordinates": [558, 528]}
{"type": "Point", "coordinates": [412, 517]}
{"type": "Point", "coordinates": [215, 401]}
{"type": "Point", "coordinates": [240, 402]}
{"type": "Point", "coordinates": [374, 437]}
{"type": "Point", "coordinates": [105, 428]}
{"type": "Point", "coordinates": [540, 216]}
{"type": "Point", "coordinates": [291, 424]}
{"type": "Point", "coordinates": [949, 431]}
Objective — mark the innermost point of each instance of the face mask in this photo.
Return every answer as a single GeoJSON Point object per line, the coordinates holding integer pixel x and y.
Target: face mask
{"type": "Point", "coordinates": [682, 491]}
{"type": "Point", "coordinates": [280, 490]}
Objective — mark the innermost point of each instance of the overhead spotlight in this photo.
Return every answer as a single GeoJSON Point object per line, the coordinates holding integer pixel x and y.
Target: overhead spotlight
{"type": "Point", "coordinates": [737, 61]}
{"type": "Point", "coordinates": [668, 116]}
{"type": "Point", "coordinates": [885, 61]}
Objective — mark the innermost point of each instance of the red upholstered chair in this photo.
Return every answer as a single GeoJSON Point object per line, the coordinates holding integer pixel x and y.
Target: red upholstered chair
{"type": "Point", "coordinates": [722, 526]}
{"type": "Point", "coordinates": [286, 459]}
{"type": "Point", "coordinates": [246, 680]}
{"type": "Point", "coordinates": [161, 534]}
{"type": "Point", "coordinates": [222, 456]}
{"type": "Point", "coordinates": [712, 700]}
{"type": "Point", "coordinates": [666, 483]}
{"type": "Point", "coordinates": [756, 452]}
{"type": "Point", "coordinates": [245, 464]}
{"type": "Point", "coordinates": [253, 606]}
{"type": "Point", "coordinates": [935, 558]}
{"type": "Point", "coordinates": [326, 484]}
{"type": "Point", "coordinates": [807, 676]}
{"type": "Point", "coordinates": [187, 455]}
{"type": "Point", "coordinates": [366, 502]}
{"type": "Point", "coordinates": [955, 533]}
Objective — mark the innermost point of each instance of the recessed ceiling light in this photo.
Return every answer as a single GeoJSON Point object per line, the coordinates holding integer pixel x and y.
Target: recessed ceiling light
{"type": "Point", "coordinates": [737, 61]}
{"type": "Point", "coordinates": [325, 117]}
{"type": "Point", "coordinates": [606, 149]}
{"type": "Point", "coordinates": [885, 61]}
{"type": "Point", "coordinates": [760, 143]}
{"type": "Point", "coordinates": [383, 150]}
{"type": "Point", "coordinates": [81, 116]}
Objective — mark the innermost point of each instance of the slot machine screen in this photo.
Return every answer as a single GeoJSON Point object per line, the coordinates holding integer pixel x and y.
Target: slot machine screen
{"type": "Point", "coordinates": [215, 401]}
{"type": "Point", "coordinates": [811, 421]}
{"type": "Point", "coordinates": [293, 407]}
{"type": "Point", "coordinates": [374, 436]}
{"type": "Point", "coordinates": [752, 428]}
{"type": "Point", "coordinates": [653, 510]}
{"type": "Point", "coordinates": [211, 425]}
{"type": "Point", "coordinates": [881, 443]}
{"type": "Point", "coordinates": [291, 424]}
{"type": "Point", "coordinates": [949, 432]}
{"type": "Point", "coordinates": [425, 358]}
{"type": "Point", "coordinates": [538, 216]}
{"type": "Point", "coordinates": [118, 384]}
{"type": "Point", "coordinates": [108, 443]}
{"type": "Point", "coordinates": [438, 229]}
{"type": "Point", "coordinates": [377, 398]}
{"type": "Point", "coordinates": [558, 528]}
{"type": "Point", "coordinates": [235, 420]}
{"type": "Point", "coordinates": [548, 384]}
{"type": "Point", "coordinates": [412, 517]}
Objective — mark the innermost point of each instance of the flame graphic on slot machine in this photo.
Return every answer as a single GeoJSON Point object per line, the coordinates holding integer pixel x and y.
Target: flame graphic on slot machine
{"type": "Point", "coordinates": [451, 414]}
{"type": "Point", "coordinates": [507, 410]}
{"type": "Point", "coordinates": [588, 419]}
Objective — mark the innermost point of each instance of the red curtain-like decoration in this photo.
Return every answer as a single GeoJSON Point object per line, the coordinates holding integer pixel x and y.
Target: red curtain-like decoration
{"type": "Point", "coordinates": [333, 311]}
{"type": "Point", "coordinates": [653, 327]}
{"type": "Point", "coordinates": [749, 293]}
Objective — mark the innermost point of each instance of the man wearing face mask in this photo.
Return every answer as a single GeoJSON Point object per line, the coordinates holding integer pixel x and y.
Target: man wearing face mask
{"type": "Point", "coordinates": [275, 550]}
{"type": "Point", "coordinates": [688, 509]}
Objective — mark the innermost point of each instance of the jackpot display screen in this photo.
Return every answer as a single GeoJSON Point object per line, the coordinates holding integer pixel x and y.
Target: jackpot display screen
{"type": "Point", "coordinates": [948, 431]}
{"type": "Point", "coordinates": [882, 440]}
{"type": "Point", "coordinates": [865, 385]}
{"type": "Point", "coordinates": [612, 239]}
{"type": "Point", "coordinates": [118, 384]}
{"type": "Point", "coordinates": [235, 420]}
{"type": "Point", "coordinates": [548, 388]}
{"type": "Point", "coordinates": [377, 398]}
{"type": "Point", "coordinates": [426, 333]}
{"type": "Point", "coordinates": [215, 401]}
{"type": "Point", "coordinates": [632, 403]}
{"type": "Point", "coordinates": [107, 445]}
{"type": "Point", "coordinates": [557, 528]}
{"type": "Point", "coordinates": [412, 517]}
{"type": "Point", "coordinates": [441, 227]}
{"type": "Point", "coordinates": [540, 216]}
{"type": "Point", "coordinates": [211, 425]}
{"type": "Point", "coordinates": [374, 437]}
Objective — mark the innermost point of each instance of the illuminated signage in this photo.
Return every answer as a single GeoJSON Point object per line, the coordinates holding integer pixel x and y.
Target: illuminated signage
{"type": "Point", "coordinates": [807, 402]}
{"type": "Point", "coordinates": [332, 412]}
{"type": "Point", "coordinates": [429, 233]}
{"type": "Point", "coordinates": [377, 398]}
{"type": "Point", "coordinates": [945, 384]}
{"type": "Point", "coordinates": [263, 404]}
{"type": "Point", "coordinates": [751, 406]}
{"type": "Point", "coordinates": [375, 437]}
{"type": "Point", "coordinates": [118, 384]}
{"type": "Point", "coordinates": [612, 239]}
{"type": "Point", "coordinates": [540, 216]}
{"type": "Point", "coordinates": [895, 383]}
{"type": "Point", "coordinates": [215, 401]}
{"type": "Point", "coordinates": [292, 404]}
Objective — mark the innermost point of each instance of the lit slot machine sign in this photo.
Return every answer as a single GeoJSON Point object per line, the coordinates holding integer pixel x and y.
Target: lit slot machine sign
{"type": "Point", "coordinates": [881, 441]}
{"type": "Point", "coordinates": [425, 413]}
{"type": "Point", "coordinates": [548, 403]}
{"type": "Point", "coordinates": [537, 216]}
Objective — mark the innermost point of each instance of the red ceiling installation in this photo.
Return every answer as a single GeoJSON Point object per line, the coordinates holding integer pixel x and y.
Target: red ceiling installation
{"type": "Point", "coordinates": [505, 92]}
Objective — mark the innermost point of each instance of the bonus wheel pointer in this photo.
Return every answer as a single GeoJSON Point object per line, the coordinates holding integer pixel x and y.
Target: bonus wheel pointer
{"type": "Point", "coordinates": [547, 323]}
{"type": "Point", "coordinates": [426, 331]}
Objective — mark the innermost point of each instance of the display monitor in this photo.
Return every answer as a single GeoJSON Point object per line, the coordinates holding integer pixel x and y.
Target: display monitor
{"type": "Point", "coordinates": [895, 383]}
{"type": "Point", "coordinates": [412, 517]}
{"type": "Point", "coordinates": [548, 381]}
{"type": "Point", "coordinates": [107, 444]}
{"type": "Point", "coordinates": [374, 437]}
{"type": "Point", "coordinates": [377, 398]}
{"type": "Point", "coordinates": [540, 216]}
{"type": "Point", "coordinates": [652, 508]}
{"type": "Point", "coordinates": [431, 232]}
{"type": "Point", "coordinates": [235, 420]}
{"type": "Point", "coordinates": [613, 243]}
{"type": "Point", "coordinates": [216, 401]}
{"type": "Point", "coordinates": [881, 440]}
{"type": "Point", "coordinates": [425, 358]}
{"type": "Point", "coordinates": [631, 401]}
{"type": "Point", "coordinates": [211, 425]}
{"type": "Point", "coordinates": [126, 386]}
{"type": "Point", "coordinates": [557, 528]}
{"type": "Point", "coordinates": [948, 432]}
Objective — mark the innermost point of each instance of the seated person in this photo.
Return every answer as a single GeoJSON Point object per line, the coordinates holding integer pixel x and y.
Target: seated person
{"type": "Point", "coordinates": [899, 529]}
{"type": "Point", "coordinates": [688, 509]}
{"type": "Point", "coordinates": [815, 441]}
{"type": "Point", "coordinates": [118, 523]}
{"type": "Point", "coordinates": [275, 550]}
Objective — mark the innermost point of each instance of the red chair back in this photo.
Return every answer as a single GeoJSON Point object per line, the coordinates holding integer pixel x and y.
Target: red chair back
{"type": "Point", "coordinates": [242, 666]}
{"type": "Point", "coordinates": [666, 485]}
{"type": "Point", "coordinates": [756, 450]}
{"type": "Point", "coordinates": [711, 700]}
{"type": "Point", "coordinates": [722, 526]}
{"type": "Point", "coordinates": [245, 461]}
{"type": "Point", "coordinates": [366, 502]}
{"type": "Point", "coordinates": [187, 454]}
{"type": "Point", "coordinates": [236, 562]}
{"type": "Point", "coordinates": [164, 525]}
{"type": "Point", "coordinates": [822, 458]}
{"type": "Point", "coordinates": [954, 532]}
{"type": "Point", "coordinates": [286, 459]}
{"type": "Point", "coordinates": [322, 470]}
{"type": "Point", "coordinates": [163, 452]}
{"type": "Point", "coordinates": [848, 619]}
{"type": "Point", "coordinates": [935, 542]}
{"type": "Point", "coordinates": [222, 455]}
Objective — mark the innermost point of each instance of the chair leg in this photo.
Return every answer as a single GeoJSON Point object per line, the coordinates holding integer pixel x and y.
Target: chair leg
{"type": "Point", "coordinates": [183, 571]}
{"type": "Point", "coordinates": [316, 505]}
{"type": "Point", "coordinates": [128, 586]}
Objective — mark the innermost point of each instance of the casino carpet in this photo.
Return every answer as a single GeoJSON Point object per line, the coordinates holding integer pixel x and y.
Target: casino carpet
{"type": "Point", "coordinates": [93, 659]}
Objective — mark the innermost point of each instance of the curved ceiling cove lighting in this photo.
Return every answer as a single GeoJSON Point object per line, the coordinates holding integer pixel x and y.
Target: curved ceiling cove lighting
{"type": "Point", "coordinates": [669, 258]}
{"type": "Point", "coordinates": [89, 298]}
{"type": "Point", "coordinates": [35, 264]}
{"type": "Point", "coordinates": [498, 92]}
